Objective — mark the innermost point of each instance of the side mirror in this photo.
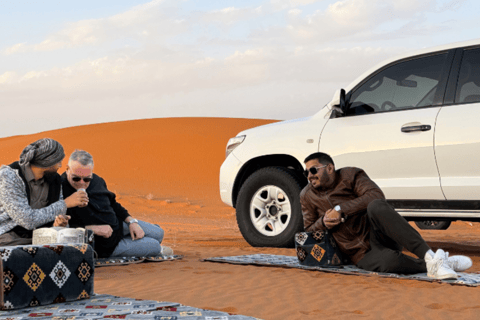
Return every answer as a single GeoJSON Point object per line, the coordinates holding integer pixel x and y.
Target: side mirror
{"type": "Point", "coordinates": [343, 104]}
{"type": "Point", "coordinates": [338, 104]}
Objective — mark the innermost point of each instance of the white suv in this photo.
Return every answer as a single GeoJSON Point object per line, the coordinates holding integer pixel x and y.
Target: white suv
{"type": "Point", "coordinates": [412, 123]}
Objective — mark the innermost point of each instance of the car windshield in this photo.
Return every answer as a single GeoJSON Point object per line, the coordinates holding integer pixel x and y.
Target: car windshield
{"type": "Point", "coordinates": [406, 85]}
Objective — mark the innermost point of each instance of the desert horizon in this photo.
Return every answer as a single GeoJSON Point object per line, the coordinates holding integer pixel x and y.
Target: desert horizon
{"type": "Point", "coordinates": [166, 171]}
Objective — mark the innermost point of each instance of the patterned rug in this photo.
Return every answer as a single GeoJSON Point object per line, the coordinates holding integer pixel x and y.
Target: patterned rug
{"type": "Point", "coordinates": [105, 262]}
{"type": "Point", "coordinates": [105, 306]}
{"type": "Point", "coordinates": [270, 260]}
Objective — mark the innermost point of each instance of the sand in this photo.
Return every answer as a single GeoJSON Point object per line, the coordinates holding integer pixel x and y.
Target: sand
{"type": "Point", "coordinates": [166, 171]}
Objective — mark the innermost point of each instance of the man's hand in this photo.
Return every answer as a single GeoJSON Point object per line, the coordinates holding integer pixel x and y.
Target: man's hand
{"type": "Point", "coordinates": [136, 232]}
{"type": "Point", "coordinates": [61, 221]}
{"type": "Point", "coordinates": [331, 218]}
{"type": "Point", "coordinates": [103, 230]}
{"type": "Point", "coordinates": [77, 199]}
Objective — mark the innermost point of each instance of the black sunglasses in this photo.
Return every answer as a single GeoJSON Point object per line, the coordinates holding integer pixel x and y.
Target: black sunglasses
{"type": "Point", "coordinates": [312, 170]}
{"type": "Point", "coordinates": [77, 179]}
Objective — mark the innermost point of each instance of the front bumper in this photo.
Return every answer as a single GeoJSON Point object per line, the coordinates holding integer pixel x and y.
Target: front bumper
{"type": "Point", "coordinates": [228, 173]}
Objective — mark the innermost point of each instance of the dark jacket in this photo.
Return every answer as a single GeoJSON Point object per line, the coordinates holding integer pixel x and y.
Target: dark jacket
{"type": "Point", "coordinates": [54, 188]}
{"type": "Point", "coordinates": [353, 190]}
{"type": "Point", "coordinates": [102, 209]}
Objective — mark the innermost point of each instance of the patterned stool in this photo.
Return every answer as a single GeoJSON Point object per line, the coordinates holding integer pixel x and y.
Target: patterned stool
{"type": "Point", "coordinates": [318, 249]}
{"type": "Point", "coordinates": [37, 275]}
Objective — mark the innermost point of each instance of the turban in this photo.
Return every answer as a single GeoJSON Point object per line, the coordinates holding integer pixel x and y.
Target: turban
{"type": "Point", "coordinates": [42, 153]}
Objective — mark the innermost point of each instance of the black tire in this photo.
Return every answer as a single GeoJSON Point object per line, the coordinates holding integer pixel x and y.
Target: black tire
{"type": "Point", "coordinates": [290, 184]}
{"type": "Point", "coordinates": [433, 225]}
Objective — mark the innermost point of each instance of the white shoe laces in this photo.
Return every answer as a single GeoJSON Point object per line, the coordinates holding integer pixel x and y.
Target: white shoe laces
{"type": "Point", "coordinates": [450, 263]}
{"type": "Point", "coordinates": [435, 265]}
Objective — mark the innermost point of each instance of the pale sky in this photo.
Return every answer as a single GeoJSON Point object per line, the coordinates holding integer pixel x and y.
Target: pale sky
{"type": "Point", "coordinates": [67, 63]}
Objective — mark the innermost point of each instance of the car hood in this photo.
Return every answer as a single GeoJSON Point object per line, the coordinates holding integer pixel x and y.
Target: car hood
{"type": "Point", "coordinates": [274, 128]}
{"type": "Point", "coordinates": [297, 137]}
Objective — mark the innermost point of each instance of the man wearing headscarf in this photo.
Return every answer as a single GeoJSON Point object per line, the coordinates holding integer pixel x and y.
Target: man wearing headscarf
{"type": "Point", "coordinates": [31, 193]}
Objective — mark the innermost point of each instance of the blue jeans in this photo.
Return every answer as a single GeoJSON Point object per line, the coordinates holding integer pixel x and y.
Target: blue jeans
{"type": "Point", "coordinates": [149, 245]}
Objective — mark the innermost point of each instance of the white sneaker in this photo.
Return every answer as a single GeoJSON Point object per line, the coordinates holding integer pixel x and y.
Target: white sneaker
{"type": "Point", "coordinates": [459, 263]}
{"type": "Point", "coordinates": [166, 251]}
{"type": "Point", "coordinates": [438, 266]}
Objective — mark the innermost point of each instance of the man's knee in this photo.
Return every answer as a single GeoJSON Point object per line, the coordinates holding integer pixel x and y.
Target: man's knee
{"type": "Point", "coordinates": [159, 234]}
{"type": "Point", "coordinates": [377, 207]}
{"type": "Point", "coordinates": [153, 231]}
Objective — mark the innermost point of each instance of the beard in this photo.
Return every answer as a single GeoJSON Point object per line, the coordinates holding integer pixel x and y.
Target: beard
{"type": "Point", "coordinates": [325, 182]}
{"type": "Point", "coordinates": [49, 174]}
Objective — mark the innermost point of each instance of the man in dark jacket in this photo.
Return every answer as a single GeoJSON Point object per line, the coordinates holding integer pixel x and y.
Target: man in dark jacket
{"type": "Point", "coordinates": [117, 234]}
{"type": "Point", "coordinates": [365, 227]}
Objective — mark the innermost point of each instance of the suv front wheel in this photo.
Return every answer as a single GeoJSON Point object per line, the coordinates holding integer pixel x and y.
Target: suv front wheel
{"type": "Point", "coordinates": [268, 208]}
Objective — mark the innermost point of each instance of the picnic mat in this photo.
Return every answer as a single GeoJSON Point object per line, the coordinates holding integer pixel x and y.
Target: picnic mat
{"type": "Point", "coordinates": [104, 306]}
{"type": "Point", "coordinates": [270, 260]}
{"type": "Point", "coordinates": [105, 262]}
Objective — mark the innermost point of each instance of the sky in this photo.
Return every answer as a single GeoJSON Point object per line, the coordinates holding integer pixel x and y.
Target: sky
{"type": "Point", "coordinates": [68, 63]}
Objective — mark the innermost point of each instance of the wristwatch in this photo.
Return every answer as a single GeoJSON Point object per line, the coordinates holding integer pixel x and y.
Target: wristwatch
{"type": "Point", "coordinates": [132, 221]}
{"type": "Point", "coordinates": [338, 209]}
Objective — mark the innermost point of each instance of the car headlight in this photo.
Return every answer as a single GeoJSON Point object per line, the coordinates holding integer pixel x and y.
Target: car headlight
{"type": "Point", "coordinates": [233, 143]}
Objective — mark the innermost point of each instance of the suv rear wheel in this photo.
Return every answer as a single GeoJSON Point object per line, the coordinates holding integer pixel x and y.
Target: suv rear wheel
{"type": "Point", "coordinates": [433, 225]}
{"type": "Point", "coordinates": [268, 208]}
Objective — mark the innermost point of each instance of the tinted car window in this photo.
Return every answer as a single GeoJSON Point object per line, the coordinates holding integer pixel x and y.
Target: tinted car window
{"type": "Point", "coordinates": [468, 85]}
{"type": "Point", "coordinates": [405, 85]}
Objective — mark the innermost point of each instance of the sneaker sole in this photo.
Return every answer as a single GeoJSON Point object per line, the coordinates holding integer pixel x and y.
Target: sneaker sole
{"type": "Point", "coordinates": [445, 277]}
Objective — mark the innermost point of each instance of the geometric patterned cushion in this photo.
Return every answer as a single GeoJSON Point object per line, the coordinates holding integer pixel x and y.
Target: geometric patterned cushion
{"type": "Point", "coordinates": [38, 275]}
{"type": "Point", "coordinates": [318, 249]}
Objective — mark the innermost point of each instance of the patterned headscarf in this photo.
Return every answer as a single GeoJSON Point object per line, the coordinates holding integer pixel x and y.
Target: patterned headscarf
{"type": "Point", "coordinates": [42, 153]}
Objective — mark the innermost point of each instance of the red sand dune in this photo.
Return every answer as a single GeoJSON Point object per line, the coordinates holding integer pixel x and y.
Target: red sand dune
{"type": "Point", "coordinates": [166, 171]}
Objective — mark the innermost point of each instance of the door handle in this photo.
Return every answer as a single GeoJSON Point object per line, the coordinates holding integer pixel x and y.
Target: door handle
{"type": "Point", "coordinates": [422, 127]}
